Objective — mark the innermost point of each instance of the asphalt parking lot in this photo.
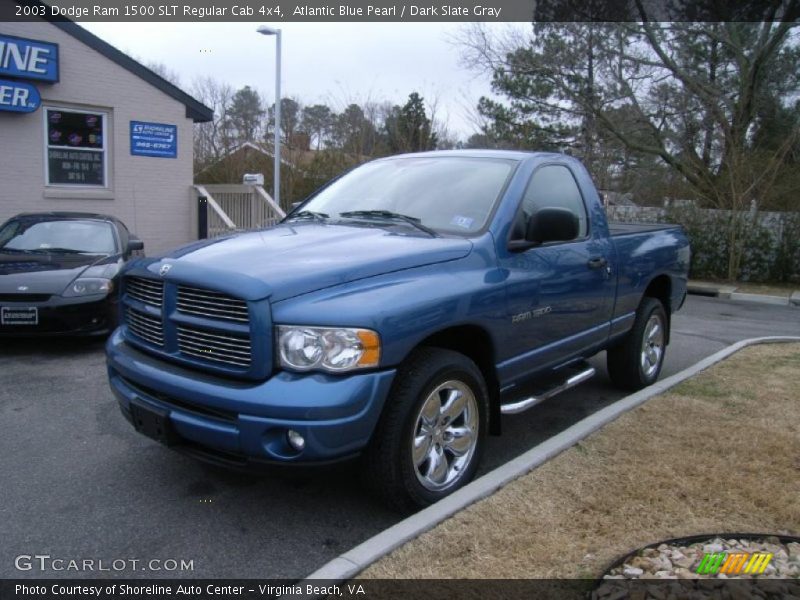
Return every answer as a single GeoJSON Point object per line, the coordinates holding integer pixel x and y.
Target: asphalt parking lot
{"type": "Point", "coordinates": [78, 483]}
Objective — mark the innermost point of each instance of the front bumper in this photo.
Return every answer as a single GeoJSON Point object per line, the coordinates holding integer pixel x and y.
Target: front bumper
{"type": "Point", "coordinates": [244, 423]}
{"type": "Point", "coordinates": [90, 315]}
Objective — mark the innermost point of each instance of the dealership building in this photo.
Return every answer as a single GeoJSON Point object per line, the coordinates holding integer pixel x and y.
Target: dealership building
{"type": "Point", "coordinates": [84, 127]}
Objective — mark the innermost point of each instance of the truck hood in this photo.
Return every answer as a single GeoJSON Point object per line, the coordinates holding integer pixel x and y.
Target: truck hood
{"type": "Point", "coordinates": [297, 258]}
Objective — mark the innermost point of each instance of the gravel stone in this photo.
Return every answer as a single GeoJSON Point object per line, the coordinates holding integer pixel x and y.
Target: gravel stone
{"type": "Point", "coordinates": [680, 561]}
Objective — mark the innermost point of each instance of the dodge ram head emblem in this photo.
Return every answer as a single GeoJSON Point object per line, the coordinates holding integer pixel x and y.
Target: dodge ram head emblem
{"type": "Point", "coordinates": [164, 269]}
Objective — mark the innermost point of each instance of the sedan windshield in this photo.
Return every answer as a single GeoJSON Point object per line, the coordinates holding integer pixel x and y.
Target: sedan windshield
{"type": "Point", "coordinates": [67, 236]}
{"type": "Point", "coordinates": [443, 194]}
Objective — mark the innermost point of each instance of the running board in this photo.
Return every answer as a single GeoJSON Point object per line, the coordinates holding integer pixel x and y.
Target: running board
{"type": "Point", "coordinates": [514, 408]}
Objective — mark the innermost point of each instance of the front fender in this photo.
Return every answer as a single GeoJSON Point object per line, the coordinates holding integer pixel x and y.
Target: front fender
{"type": "Point", "coordinates": [408, 306]}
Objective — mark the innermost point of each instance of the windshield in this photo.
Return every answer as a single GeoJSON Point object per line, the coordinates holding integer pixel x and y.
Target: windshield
{"type": "Point", "coordinates": [445, 194]}
{"type": "Point", "coordinates": [27, 235]}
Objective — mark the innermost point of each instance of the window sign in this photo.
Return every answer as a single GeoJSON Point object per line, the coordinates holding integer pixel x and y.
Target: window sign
{"type": "Point", "coordinates": [76, 147]}
{"type": "Point", "coordinates": [16, 96]}
{"type": "Point", "coordinates": [28, 59]}
{"type": "Point", "coordinates": [154, 139]}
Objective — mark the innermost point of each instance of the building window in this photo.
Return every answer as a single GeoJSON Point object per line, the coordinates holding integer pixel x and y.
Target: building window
{"type": "Point", "coordinates": [76, 147]}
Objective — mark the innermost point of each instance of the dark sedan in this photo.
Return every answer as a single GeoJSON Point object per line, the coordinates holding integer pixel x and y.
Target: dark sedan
{"type": "Point", "coordinates": [58, 273]}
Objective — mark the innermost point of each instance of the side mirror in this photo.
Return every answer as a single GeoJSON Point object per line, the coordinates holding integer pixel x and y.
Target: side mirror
{"type": "Point", "coordinates": [552, 225]}
{"type": "Point", "coordinates": [548, 225]}
{"type": "Point", "coordinates": [294, 206]}
{"type": "Point", "coordinates": [135, 244]}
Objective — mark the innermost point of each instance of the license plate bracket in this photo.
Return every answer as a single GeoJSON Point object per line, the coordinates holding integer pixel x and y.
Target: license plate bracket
{"type": "Point", "coordinates": [153, 422]}
{"type": "Point", "coordinates": [22, 315]}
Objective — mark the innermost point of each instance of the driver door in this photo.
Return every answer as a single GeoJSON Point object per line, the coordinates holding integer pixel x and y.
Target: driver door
{"type": "Point", "coordinates": [559, 294]}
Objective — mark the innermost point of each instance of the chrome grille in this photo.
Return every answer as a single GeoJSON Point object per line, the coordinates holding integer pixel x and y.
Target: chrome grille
{"type": "Point", "coordinates": [147, 327]}
{"type": "Point", "coordinates": [214, 305]}
{"type": "Point", "coordinates": [144, 290]}
{"type": "Point", "coordinates": [229, 348]}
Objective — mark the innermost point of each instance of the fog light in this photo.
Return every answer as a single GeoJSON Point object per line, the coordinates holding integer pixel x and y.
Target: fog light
{"type": "Point", "coordinates": [295, 440]}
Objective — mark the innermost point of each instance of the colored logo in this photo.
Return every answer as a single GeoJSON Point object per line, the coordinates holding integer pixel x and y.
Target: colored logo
{"type": "Point", "coordinates": [734, 563]}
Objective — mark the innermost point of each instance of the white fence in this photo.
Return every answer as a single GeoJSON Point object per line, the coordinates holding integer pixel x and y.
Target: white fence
{"type": "Point", "coordinates": [238, 208]}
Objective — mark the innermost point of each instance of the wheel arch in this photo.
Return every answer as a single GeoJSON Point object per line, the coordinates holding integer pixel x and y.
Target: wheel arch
{"type": "Point", "coordinates": [660, 288]}
{"type": "Point", "coordinates": [475, 343]}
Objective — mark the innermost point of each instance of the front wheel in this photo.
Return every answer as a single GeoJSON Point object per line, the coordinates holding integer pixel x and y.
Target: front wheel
{"type": "Point", "coordinates": [430, 437]}
{"type": "Point", "coordinates": [637, 361]}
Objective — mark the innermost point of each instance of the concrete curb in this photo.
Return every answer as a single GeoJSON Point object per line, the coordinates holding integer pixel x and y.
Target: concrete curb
{"type": "Point", "coordinates": [354, 561]}
{"type": "Point", "coordinates": [761, 298]}
{"type": "Point", "coordinates": [728, 292]}
{"type": "Point", "coordinates": [710, 289]}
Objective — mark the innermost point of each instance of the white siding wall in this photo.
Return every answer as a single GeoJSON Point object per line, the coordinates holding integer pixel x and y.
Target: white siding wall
{"type": "Point", "coordinates": [151, 195]}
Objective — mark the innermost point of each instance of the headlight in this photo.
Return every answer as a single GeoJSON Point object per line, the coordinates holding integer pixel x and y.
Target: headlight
{"type": "Point", "coordinates": [88, 286]}
{"type": "Point", "coordinates": [333, 349]}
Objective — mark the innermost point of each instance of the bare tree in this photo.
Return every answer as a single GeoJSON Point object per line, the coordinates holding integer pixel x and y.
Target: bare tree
{"type": "Point", "coordinates": [687, 94]}
{"type": "Point", "coordinates": [214, 139]}
{"type": "Point", "coordinates": [163, 71]}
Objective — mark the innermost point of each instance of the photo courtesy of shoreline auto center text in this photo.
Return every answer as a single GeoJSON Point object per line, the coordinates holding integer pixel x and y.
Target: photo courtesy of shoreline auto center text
{"type": "Point", "coordinates": [399, 299]}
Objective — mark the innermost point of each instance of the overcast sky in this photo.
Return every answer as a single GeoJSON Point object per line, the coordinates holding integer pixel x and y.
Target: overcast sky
{"type": "Point", "coordinates": [331, 63]}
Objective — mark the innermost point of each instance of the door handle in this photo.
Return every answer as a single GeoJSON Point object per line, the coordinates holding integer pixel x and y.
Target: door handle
{"type": "Point", "coordinates": [597, 263]}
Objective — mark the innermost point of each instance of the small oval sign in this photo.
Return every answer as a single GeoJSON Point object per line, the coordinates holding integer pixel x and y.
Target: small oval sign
{"type": "Point", "coordinates": [16, 96]}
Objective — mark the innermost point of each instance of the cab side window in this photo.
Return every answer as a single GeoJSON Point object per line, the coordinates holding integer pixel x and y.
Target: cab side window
{"type": "Point", "coordinates": [553, 186]}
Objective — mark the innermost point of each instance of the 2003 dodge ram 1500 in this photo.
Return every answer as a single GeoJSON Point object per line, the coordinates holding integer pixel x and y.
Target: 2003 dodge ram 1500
{"type": "Point", "coordinates": [395, 315]}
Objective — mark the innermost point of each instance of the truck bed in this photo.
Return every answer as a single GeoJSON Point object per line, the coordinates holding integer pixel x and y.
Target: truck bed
{"type": "Point", "coordinates": [617, 229]}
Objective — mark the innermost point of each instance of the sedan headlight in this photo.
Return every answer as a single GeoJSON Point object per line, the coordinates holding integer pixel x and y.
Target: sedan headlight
{"type": "Point", "coordinates": [88, 286]}
{"type": "Point", "coordinates": [334, 349]}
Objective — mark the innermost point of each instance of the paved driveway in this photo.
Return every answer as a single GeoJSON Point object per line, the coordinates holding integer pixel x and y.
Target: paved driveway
{"type": "Point", "coordinates": [77, 483]}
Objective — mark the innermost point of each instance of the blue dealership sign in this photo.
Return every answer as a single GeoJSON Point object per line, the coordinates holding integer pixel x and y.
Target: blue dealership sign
{"type": "Point", "coordinates": [16, 96]}
{"type": "Point", "coordinates": [28, 59]}
{"type": "Point", "coordinates": [154, 139]}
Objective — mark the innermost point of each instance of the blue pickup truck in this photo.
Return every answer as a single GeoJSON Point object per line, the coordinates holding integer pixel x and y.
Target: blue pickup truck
{"type": "Point", "coordinates": [394, 317]}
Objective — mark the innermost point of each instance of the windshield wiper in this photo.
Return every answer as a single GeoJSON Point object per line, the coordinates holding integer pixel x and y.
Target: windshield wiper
{"type": "Point", "coordinates": [62, 251]}
{"type": "Point", "coordinates": [390, 216]}
{"type": "Point", "coordinates": [308, 214]}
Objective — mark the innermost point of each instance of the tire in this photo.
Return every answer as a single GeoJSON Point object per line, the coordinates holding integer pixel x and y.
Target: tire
{"type": "Point", "coordinates": [637, 361]}
{"type": "Point", "coordinates": [415, 417]}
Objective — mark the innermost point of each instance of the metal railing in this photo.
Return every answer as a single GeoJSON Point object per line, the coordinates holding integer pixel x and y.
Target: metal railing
{"type": "Point", "coordinates": [230, 208]}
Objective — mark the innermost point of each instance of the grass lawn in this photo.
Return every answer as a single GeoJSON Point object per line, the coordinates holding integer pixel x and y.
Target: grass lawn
{"type": "Point", "coordinates": [718, 453]}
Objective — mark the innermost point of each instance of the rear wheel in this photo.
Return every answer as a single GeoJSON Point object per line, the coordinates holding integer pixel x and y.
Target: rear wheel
{"type": "Point", "coordinates": [430, 437]}
{"type": "Point", "coordinates": [637, 361]}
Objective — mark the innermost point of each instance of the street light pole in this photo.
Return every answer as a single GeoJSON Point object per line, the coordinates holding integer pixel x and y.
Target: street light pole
{"type": "Point", "coordinates": [277, 150]}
